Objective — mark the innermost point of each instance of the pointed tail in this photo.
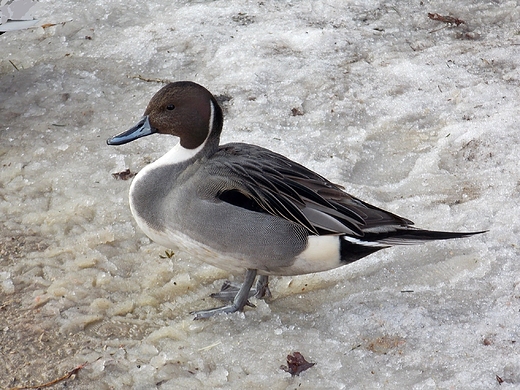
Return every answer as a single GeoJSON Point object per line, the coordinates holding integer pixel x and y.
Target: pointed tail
{"type": "Point", "coordinates": [352, 249]}
{"type": "Point", "coordinates": [411, 236]}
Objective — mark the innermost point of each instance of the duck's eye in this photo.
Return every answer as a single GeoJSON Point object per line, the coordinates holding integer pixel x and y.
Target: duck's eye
{"type": "Point", "coordinates": [170, 107]}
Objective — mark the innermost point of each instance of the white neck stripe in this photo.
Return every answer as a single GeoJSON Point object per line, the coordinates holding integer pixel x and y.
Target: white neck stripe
{"type": "Point", "coordinates": [211, 118]}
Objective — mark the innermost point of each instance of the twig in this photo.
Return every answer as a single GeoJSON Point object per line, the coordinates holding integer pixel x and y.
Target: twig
{"type": "Point", "coordinates": [446, 19]}
{"type": "Point", "coordinates": [12, 63]}
{"type": "Point", "coordinates": [139, 77]}
{"type": "Point", "coordinates": [449, 20]}
{"type": "Point", "coordinates": [55, 381]}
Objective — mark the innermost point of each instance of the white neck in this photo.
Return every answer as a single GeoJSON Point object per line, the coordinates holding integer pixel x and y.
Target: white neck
{"type": "Point", "coordinates": [178, 154]}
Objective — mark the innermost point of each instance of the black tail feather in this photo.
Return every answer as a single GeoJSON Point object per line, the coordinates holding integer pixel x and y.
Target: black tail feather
{"type": "Point", "coordinates": [414, 236]}
{"type": "Point", "coordinates": [352, 249]}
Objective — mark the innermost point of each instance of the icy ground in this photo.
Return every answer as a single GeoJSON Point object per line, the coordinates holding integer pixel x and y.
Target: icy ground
{"type": "Point", "coordinates": [410, 116]}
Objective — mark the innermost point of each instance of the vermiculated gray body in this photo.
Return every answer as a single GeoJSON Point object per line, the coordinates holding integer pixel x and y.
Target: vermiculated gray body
{"type": "Point", "coordinates": [261, 241]}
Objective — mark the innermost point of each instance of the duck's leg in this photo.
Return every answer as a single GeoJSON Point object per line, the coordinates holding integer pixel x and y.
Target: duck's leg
{"type": "Point", "coordinates": [239, 301]}
{"type": "Point", "coordinates": [262, 288]}
{"type": "Point", "coordinates": [228, 291]}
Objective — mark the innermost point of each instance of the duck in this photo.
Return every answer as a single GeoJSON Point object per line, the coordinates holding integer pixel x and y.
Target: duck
{"type": "Point", "coordinates": [247, 209]}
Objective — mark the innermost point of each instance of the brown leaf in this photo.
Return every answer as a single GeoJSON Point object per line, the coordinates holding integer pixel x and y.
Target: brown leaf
{"type": "Point", "coordinates": [296, 363]}
{"type": "Point", "coordinates": [124, 175]}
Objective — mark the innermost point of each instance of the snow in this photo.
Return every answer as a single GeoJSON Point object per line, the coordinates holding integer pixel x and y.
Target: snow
{"type": "Point", "coordinates": [412, 117]}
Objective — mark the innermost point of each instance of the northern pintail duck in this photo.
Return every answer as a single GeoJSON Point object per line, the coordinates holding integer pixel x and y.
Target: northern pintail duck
{"type": "Point", "coordinates": [241, 207]}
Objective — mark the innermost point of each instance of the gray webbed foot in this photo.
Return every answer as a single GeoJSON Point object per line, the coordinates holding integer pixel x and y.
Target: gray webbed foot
{"type": "Point", "coordinates": [229, 290]}
{"type": "Point", "coordinates": [240, 298]}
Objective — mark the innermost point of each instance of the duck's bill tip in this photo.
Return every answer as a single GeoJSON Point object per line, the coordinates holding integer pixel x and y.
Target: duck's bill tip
{"type": "Point", "coordinates": [141, 129]}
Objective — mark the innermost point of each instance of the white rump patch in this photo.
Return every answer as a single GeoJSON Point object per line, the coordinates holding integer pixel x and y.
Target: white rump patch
{"type": "Point", "coordinates": [322, 254]}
